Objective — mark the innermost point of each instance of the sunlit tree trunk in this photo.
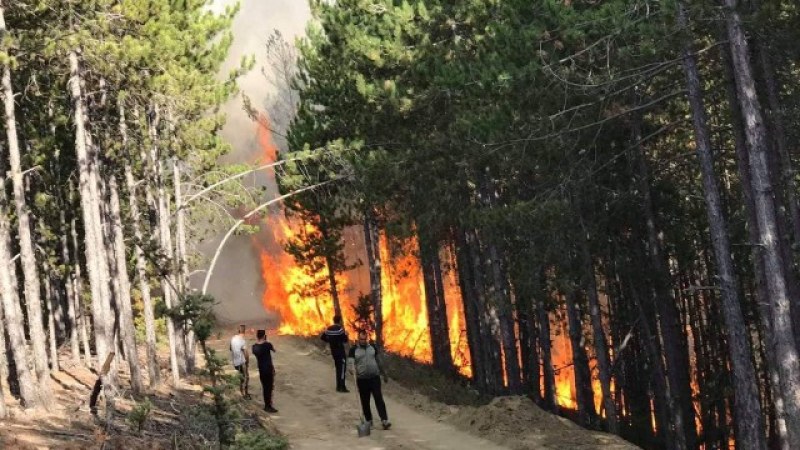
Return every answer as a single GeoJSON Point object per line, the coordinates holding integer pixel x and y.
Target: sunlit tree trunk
{"type": "Point", "coordinates": [28, 384]}
{"type": "Point", "coordinates": [783, 331]}
{"type": "Point", "coordinates": [154, 375]}
{"type": "Point", "coordinates": [30, 272]}
{"type": "Point", "coordinates": [93, 232]}
{"type": "Point", "coordinates": [165, 240]}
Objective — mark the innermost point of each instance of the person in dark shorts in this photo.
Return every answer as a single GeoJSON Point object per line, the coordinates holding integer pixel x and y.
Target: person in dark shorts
{"type": "Point", "coordinates": [365, 359]}
{"type": "Point", "coordinates": [262, 350]}
{"type": "Point", "coordinates": [240, 360]}
{"type": "Point", "coordinates": [336, 336]}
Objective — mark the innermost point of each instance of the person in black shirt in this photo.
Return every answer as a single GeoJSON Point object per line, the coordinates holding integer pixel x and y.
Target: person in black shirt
{"type": "Point", "coordinates": [336, 336]}
{"type": "Point", "coordinates": [262, 350]}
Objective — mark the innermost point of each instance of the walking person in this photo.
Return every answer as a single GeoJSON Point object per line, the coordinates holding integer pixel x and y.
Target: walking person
{"type": "Point", "coordinates": [241, 360]}
{"type": "Point", "coordinates": [367, 362]}
{"type": "Point", "coordinates": [262, 350]}
{"type": "Point", "coordinates": [336, 336]}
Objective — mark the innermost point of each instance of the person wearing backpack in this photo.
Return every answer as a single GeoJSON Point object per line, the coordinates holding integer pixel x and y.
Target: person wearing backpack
{"type": "Point", "coordinates": [366, 362]}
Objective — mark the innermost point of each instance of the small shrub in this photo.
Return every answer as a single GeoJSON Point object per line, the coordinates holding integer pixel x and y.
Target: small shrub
{"type": "Point", "coordinates": [138, 415]}
{"type": "Point", "coordinates": [259, 440]}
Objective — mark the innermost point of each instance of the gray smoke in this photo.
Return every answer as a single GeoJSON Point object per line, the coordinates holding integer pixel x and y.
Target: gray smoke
{"type": "Point", "coordinates": [236, 283]}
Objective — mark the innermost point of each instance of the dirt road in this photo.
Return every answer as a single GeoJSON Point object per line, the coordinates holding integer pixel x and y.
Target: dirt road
{"type": "Point", "coordinates": [314, 416]}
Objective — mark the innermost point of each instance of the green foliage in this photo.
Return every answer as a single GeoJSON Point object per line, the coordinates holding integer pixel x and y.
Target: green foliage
{"type": "Point", "coordinates": [363, 314]}
{"type": "Point", "coordinates": [139, 414]}
{"type": "Point", "coordinates": [259, 440]}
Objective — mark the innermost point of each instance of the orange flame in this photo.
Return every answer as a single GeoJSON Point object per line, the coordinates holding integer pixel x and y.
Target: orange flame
{"type": "Point", "coordinates": [291, 292]}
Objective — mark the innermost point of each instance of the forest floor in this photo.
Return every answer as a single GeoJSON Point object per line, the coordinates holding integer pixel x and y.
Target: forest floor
{"type": "Point", "coordinates": [311, 414]}
{"type": "Point", "coordinates": [178, 417]}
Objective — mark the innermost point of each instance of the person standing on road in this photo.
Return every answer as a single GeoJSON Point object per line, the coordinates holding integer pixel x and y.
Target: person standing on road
{"type": "Point", "coordinates": [262, 350]}
{"type": "Point", "coordinates": [367, 362]}
{"type": "Point", "coordinates": [336, 336]}
{"type": "Point", "coordinates": [240, 360]}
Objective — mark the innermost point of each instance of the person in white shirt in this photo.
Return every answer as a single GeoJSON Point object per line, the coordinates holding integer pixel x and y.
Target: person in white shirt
{"type": "Point", "coordinates": [240, 359]}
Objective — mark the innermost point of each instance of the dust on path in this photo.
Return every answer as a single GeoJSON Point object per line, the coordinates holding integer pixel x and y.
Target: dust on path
{"type": "Point", "coordinates": [312, 415]}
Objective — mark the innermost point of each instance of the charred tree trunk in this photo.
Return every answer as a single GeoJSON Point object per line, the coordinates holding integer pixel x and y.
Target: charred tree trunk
{"type": "Point", "coordinates": [600, 343]}
{"type": "Point", "coordinates": [435, 302]}
{"type": "Point", "coordinates": [471, 312]}
{"type": "Point", "coordinates": [783, 331]}
{"type": "Point", "coordinates": [545, 340]}
{"type": "Point", "coordinates": [372, 242]}
{"type": "Point", "coordinates": [487, 314]}
{"type": "Point", "coordinates": [583, 376]}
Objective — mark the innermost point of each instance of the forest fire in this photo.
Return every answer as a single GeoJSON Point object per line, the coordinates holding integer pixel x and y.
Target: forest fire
{"type": "Point", "coordinates": [305, 311]}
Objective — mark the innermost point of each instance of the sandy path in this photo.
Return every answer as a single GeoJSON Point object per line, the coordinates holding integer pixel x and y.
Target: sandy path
{"type": "Point", "coordinates": [314, 416]}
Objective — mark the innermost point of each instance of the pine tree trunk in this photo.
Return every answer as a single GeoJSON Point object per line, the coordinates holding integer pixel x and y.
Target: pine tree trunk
{"type": "Point", "coordinates": [127, 329]}
{"type": "Point", "coordinates": [600, 343]}
{"type": "Point", "coordinates": [580, 361]}
{"type": "Point", "coordinates": [545, 341]}
{"type": "Point", "coordinates": [372, 242]}
{"type": "Point", "coordinates": [785, 184]}
{"type": "Point", "coordinates": [674, 348]}
{"type": "Point", "coordinates": [471, 314]}
{"type": "Point", "coordinates": [94, 251]}
{"type": "Point", "coordinates": [77, 285]}
{"type": "Point", "coordinates": [28, 384]}
{"type": "Point", "coordinates": [783, 331]}
{"type": "Point", "coordinates": [154, 375]}
{"type": "Point", "coordinates": [33, 300]}
{"type": "Point", "coordinates": [500, 293]}
{"type": "Point", "coordinates": [181, 259]}
{"type": "Point", "coordinates": [436, 305]}
{"type": "Point", "coordinates": [4, 352]}
{"type": "Point", "coordinates": [51, 320]}
{"type": "Point", "coordinates": [75, 349]}
{"type": "Point", "coordinates": [761, 294]}
{"type": "Point", "coordinates": [165, 240]}
{"type": "Point", "coordinates": [487, 314]}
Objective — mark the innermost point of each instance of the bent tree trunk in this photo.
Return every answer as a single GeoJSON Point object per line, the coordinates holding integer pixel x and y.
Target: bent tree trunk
{"type": "Point", "coordinates": [747, 409]}
{"type": "Point", "coordinates": [30, 273]}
